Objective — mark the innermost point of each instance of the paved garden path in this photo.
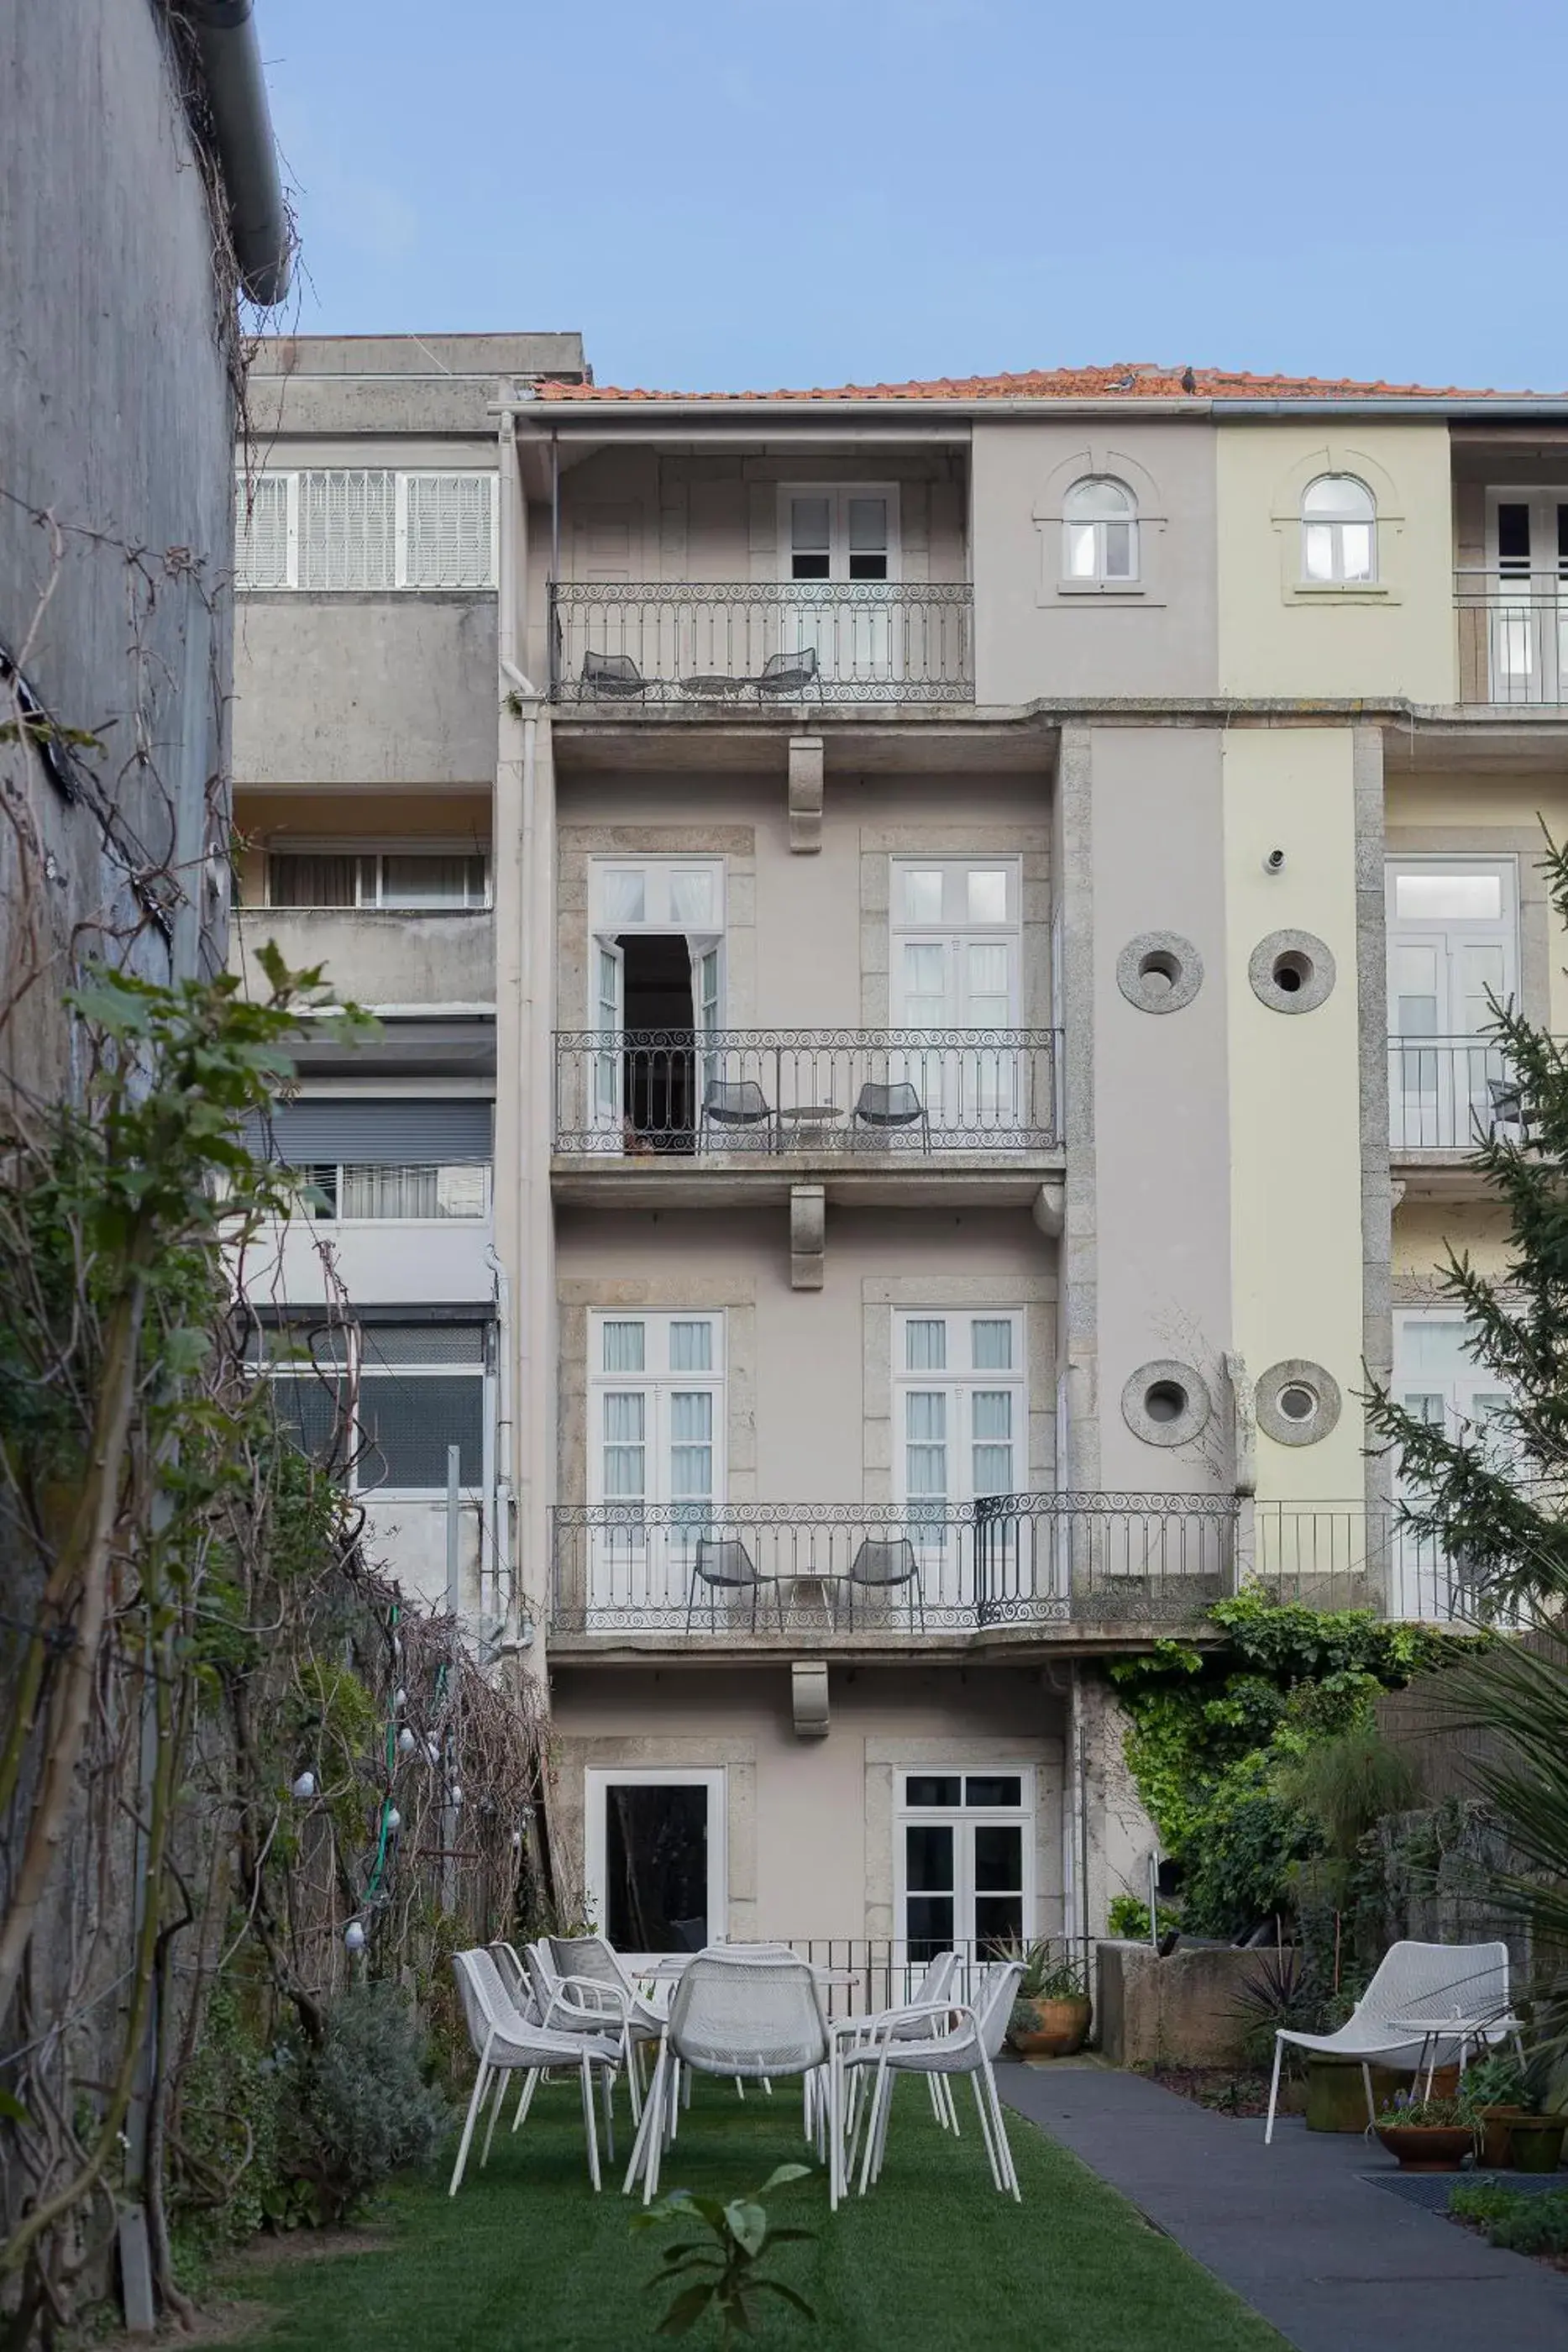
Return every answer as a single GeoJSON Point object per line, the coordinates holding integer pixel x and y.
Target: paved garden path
{"type": "Point", "coordinates": [1335, 2262]}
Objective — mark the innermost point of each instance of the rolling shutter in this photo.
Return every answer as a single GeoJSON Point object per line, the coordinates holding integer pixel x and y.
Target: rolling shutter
{"type": "Point", "coordinates": [261, 531]}
{"type": "Point", "coordinates": [448, 541]}
{"type": "Point", "coordinates": [347, 528]}
{"type": "Point", "coordinates": [401, 1134]}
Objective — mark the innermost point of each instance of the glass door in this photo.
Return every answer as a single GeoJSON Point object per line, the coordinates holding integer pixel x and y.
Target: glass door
{"type": "Point", "coordinates": [1452, 950]}
{"type": "Point", "coordinates": [962, 1861]}
{"type": "Point", "coordinates": [655, 1464]}
{"type": "Point", "coordinates": [609, 1023]}
{"type": "Point", "coordinates": [955, 967]}
{"type": "Point", "coordinates": [848, 537]}
{"type": "Point", "coordinates": [1526, 553]}
{"type": "Point", "coordinates": [1437, 1381]}
{"type": "Point", "coordinates": [655, 1857]}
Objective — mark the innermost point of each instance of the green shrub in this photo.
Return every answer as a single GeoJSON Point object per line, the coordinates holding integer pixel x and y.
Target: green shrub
{"type": "Point", "coordinates": [1130, 1918]}
{"type": "Point", "coordinates": [1520, 2224]}
{"type": "Point", "coordinates": [224, 2180]}
{"type": "Point", "coordinates": [360, 2108]}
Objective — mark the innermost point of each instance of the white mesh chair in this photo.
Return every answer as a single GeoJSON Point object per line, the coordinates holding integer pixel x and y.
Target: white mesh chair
{"type": "Point", "coordinates": [505, 2043]}
{"type": "Point", "coordinates": [957, 2038]}
{"type": "Point", "coordinates": [1428, 2004]}
{"type": "Point", "coordinates": [751, 2016]}
{"type": "Point", "coordinates": [912, 2023]}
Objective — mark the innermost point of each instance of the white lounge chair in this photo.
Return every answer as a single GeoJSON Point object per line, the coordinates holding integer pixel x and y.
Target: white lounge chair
{"type": "Point", "coordinates": [1426, 2005]}
{"type": "Point", "coordinates": [506, 2043]}
{"type": "Point", "coordinates": [961, 2038]}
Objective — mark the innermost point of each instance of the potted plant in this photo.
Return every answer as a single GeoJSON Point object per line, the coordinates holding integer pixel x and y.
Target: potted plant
{"type": "Point", "coordinates": [1426, 2135]}
{"type": "Point", "coordinates": [1495, 2095]}
{"type": "Point", "coordinates": [1051, 2010]}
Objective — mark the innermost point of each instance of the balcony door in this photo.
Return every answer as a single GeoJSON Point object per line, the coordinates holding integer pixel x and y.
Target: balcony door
{"type": "Point", "coordinates": [846, 536]}
{"type": "Point", "coordinates": [1526, 597]}
{"type": "Point", "coordinates": [655, 1466]}
{"type": "Point", "coordinates": [655, 999]}
{"type": "Point", "coordinates": [1453, 946]}
{"type": "Point", "coordinates": [963, 1861]}
{"type": "Point", "coordinates": [954, 966]}
{"type": "Point", "coordinates": [961, 1439]}
{"type": "Point", "coordinates": [1437, 1381]}
{"type": "Point", "coordinates": [655, 1857]}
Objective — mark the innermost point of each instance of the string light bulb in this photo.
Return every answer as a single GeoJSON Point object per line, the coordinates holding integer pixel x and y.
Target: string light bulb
{"type": "Point", "coordinates": [354, 1937]}
{"type": "Point", "coordinates": [400, 1700]}
{"type": "Point", "coordinates": [406, 1743]}
{"type": "Point", "coordinates": [394, 1819]}
{"type": "Point", "coordinates": [304, 1786]}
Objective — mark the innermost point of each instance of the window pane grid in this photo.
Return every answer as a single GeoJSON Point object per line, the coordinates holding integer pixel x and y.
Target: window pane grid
{"type": "Point", "coordinates": [367, 528]}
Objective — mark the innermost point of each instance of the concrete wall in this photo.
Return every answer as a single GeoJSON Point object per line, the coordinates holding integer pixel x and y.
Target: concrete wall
{"type": "Point", "coordinates": [377, 958]}
{"type": "Point", "coordinates": [397, 1261]}
{"type": "Point", "coordinates": [808, 1397]}
{"type": "Point", "coordinates": [809, 1821]}
{"type": "Point", "coordinates": [1277, 636]}
{"type": "Point", "coordinates": [359, 689]}
{"type": "Point", "coordinates": [116, 417]}
{"type": "Point", "coordinates": [1036, 636]}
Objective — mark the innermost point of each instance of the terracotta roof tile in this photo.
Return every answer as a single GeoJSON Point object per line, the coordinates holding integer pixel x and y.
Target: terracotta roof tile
{"type": "Point", "coordinates": [1061, 384]}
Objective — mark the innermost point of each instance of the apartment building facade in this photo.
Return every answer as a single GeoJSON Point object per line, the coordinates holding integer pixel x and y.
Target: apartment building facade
{"type": "Point", "coordinates": [932, 945]}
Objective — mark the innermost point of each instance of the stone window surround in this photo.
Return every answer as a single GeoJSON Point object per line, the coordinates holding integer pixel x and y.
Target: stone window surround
{"type": "Point", "coordinates": [734, 1296]}
{"type": "Point", "coordinates": [610, 1752]}
{"type": "Point", "coordinates": [736, 844]}
{"type": "Point", "coordinates": [880, 845]}
{"type": "Point", "coordinates": [1035, 1294]}
{"type": "Point", "coordinates": [888, 1754]}
{"type": "Point", "coordinates": [1051, 587]}
{"type": "Point", "coordinates": [1336, 456]}
{"type": "Point", "coordinates": [1533, 906]}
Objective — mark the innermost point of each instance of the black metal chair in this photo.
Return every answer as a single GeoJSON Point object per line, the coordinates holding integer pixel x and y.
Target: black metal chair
{"type": "Point", "coordinates": [881, 1564]}
{"type": "Point", "coordinates": [886, 1108]}
{"type": "Point", "coordinates": [739, 1103]}
{"type": "Point", "coordinates": [615, 676]}
{"type": "Point", "coordinates": [723, 1564]}
{"type": "Point", "coordinates": [790, 677]}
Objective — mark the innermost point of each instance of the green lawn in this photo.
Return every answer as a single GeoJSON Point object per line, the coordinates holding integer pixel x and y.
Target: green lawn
{"type": "Point", "coordinates": [932, 2261]}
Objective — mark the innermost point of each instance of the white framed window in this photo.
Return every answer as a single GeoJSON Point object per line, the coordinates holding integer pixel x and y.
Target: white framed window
{"type": "Point", "coordinates": [657, 1391]}
{"type": "Point", "coordinates": [960, 1408]}
{"type": "Point", "coordinates": [367, 1192]}
{"type": "Point", "coordinates": [412, 880]}
{"type": "Point", "coordinates": [382, 1402]}
{"type": "Point", "coordinates": [366, 527]}
{"type": "Point", "coordinates": [1452, 932]}
{"type": "Point", "coordinates": [955, 931]}
{"type": "Point", "coordinates": [845, 531]}
{"type": "Point", "coordinates": [1339, 532]}
{"type": "Point", "coordinates": [1439, 1380]}
{"type": "Point", "coordinates": [1100, 533]}
{"type": "Point", "coordinates": [670, 894]}
{"type": "Point", "coordinates": [964, 1857]}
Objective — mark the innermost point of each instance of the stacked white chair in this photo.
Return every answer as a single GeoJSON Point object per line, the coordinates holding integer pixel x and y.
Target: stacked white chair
{"type": "Point", "coordinates": [506, 2043]}
{"type": "Point", "coordinates": [950, 2038]}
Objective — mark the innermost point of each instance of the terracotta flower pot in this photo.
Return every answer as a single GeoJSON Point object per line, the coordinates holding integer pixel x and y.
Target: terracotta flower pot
{"type": "Point", "coordinates": [1535, 2142]}
{"type": "Point", "coordinates": [1426, 2147]}
{"type": "Point", "coordinates": [1494, 2135]}
{"type": "Point", "coordinates": [1061, 2027]}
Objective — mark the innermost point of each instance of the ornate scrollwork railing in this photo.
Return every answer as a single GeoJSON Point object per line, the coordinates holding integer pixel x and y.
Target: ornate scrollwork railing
{"type": "Point", "coordinates": [822, 1093]}
{"type": "Point", "coordinates": [728, 646]}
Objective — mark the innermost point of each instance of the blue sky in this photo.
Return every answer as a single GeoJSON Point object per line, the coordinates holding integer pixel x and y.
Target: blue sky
{"type": "Point", "coordinates": [729, 193]}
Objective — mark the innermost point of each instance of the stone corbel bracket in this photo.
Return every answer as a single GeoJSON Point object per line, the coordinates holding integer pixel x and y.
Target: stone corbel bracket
{"type": "Point", "coordinates": [1049, 1208]}
{"type": "Point", "coordinates": [805, 793]}
{"type": "Point", "coordinates": [1243, 1423]}
{"type": "Point", "coordinates": [809, 1697]}
{"type": "Point", "coordinates": [808, 1236]}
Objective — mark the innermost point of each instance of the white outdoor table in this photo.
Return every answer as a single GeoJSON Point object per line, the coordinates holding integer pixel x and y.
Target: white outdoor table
{"type": "Point", "coordinates": [1434, 2031]}
{"type": "Point", "coordinates": [668, 1968]}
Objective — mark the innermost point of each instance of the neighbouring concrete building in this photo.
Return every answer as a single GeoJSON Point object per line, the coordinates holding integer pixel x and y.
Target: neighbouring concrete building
{"type": "Point", "coordinates": [932, 943]}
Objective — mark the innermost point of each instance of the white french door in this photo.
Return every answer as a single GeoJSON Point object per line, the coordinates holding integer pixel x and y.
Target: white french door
{"type": "Point", "coordinates": [960, 1438]}
{"type": "Point", "coordinates": [1453, 948]}
{"type": "Point", "coordinates": [656, 1466]}
{"type": "Point", "coordinates": [609, 1023]}
{"type": "Point", "coordinates": [963, 1860]}
{"type": "Point", "coordinates": [848, 536]}
{"type": "Point", "coordinates": [1527, 610]}
{"type": "Point", "coordinates": [1437, 1381]}
{"type": "Point", "coordinates": [955, 966]}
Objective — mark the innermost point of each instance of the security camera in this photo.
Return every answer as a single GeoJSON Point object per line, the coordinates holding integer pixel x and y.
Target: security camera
{"type": "Point", "coordinates": [1274, 862]}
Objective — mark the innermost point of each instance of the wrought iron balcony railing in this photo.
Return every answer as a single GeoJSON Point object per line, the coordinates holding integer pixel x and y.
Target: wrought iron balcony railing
{"type": "Point", "coordinates": [751, 1571]}
{"type": "Point", "coordinates": [1513, 636]}
{"type": "Point", "coordinates": [1448, 1094]}
{"type": "Point", "coordinates": [730, 645]}
{"type": "Point", "coordinates": [683, 1093]}
{"type": "Point", "coordinates": [1344, 1556]}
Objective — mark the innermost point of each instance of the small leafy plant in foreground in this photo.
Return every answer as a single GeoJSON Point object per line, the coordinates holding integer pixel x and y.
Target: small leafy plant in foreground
{"type": "Point", "coordinates": [721, 2276]}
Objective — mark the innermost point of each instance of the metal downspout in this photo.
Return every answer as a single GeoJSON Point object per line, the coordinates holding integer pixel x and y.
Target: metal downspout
{"type": "Point", "coordinates": [230, 59]}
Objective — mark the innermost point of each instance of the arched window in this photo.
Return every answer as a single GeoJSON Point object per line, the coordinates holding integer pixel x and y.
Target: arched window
{"type": "Point", "coordinates": [1100, 531]}
{"type": "Point", "coordinates": [1339, 530]}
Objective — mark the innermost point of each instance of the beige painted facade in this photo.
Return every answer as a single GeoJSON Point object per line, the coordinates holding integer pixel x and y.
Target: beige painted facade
{"type": "Point", "coordinates": [1193, 766]}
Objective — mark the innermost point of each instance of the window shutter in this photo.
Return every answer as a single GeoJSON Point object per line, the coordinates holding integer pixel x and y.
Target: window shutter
{"type": "Point", "coordinates": [347, 535]}
{"type": "Point", "coordinates": [448, 531]}
{"type": "Point", "coordinates": [261, 531]}
{"type": "Point", "coordinates": [401, 1134]}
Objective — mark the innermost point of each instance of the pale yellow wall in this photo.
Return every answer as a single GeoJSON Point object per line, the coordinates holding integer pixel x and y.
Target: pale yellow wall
{"type": "Point", "coordinates": [1423, 1232]}
{"type": "Point", "coordinates": [1295, 1150]}
{"type": "Point", "coordinates": [1396, 639]}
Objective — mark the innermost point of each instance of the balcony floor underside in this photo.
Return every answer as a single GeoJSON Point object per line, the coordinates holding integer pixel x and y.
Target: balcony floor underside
{"type": "Point", "coordinates": [948, 1179]}
{"type": "Point", "coordinates": [993, 1644]}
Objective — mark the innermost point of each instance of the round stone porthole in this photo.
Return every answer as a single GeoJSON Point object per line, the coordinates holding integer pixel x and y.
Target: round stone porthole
{"type": "Point", "coordinates": [1165, 1403]}
{"type": "Point", "coordinates": [1159, 972]}
{"type": "Point", "coordinates": [1291, 972]}
{"type": "Point", "coordinates": [1298, 1402]}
